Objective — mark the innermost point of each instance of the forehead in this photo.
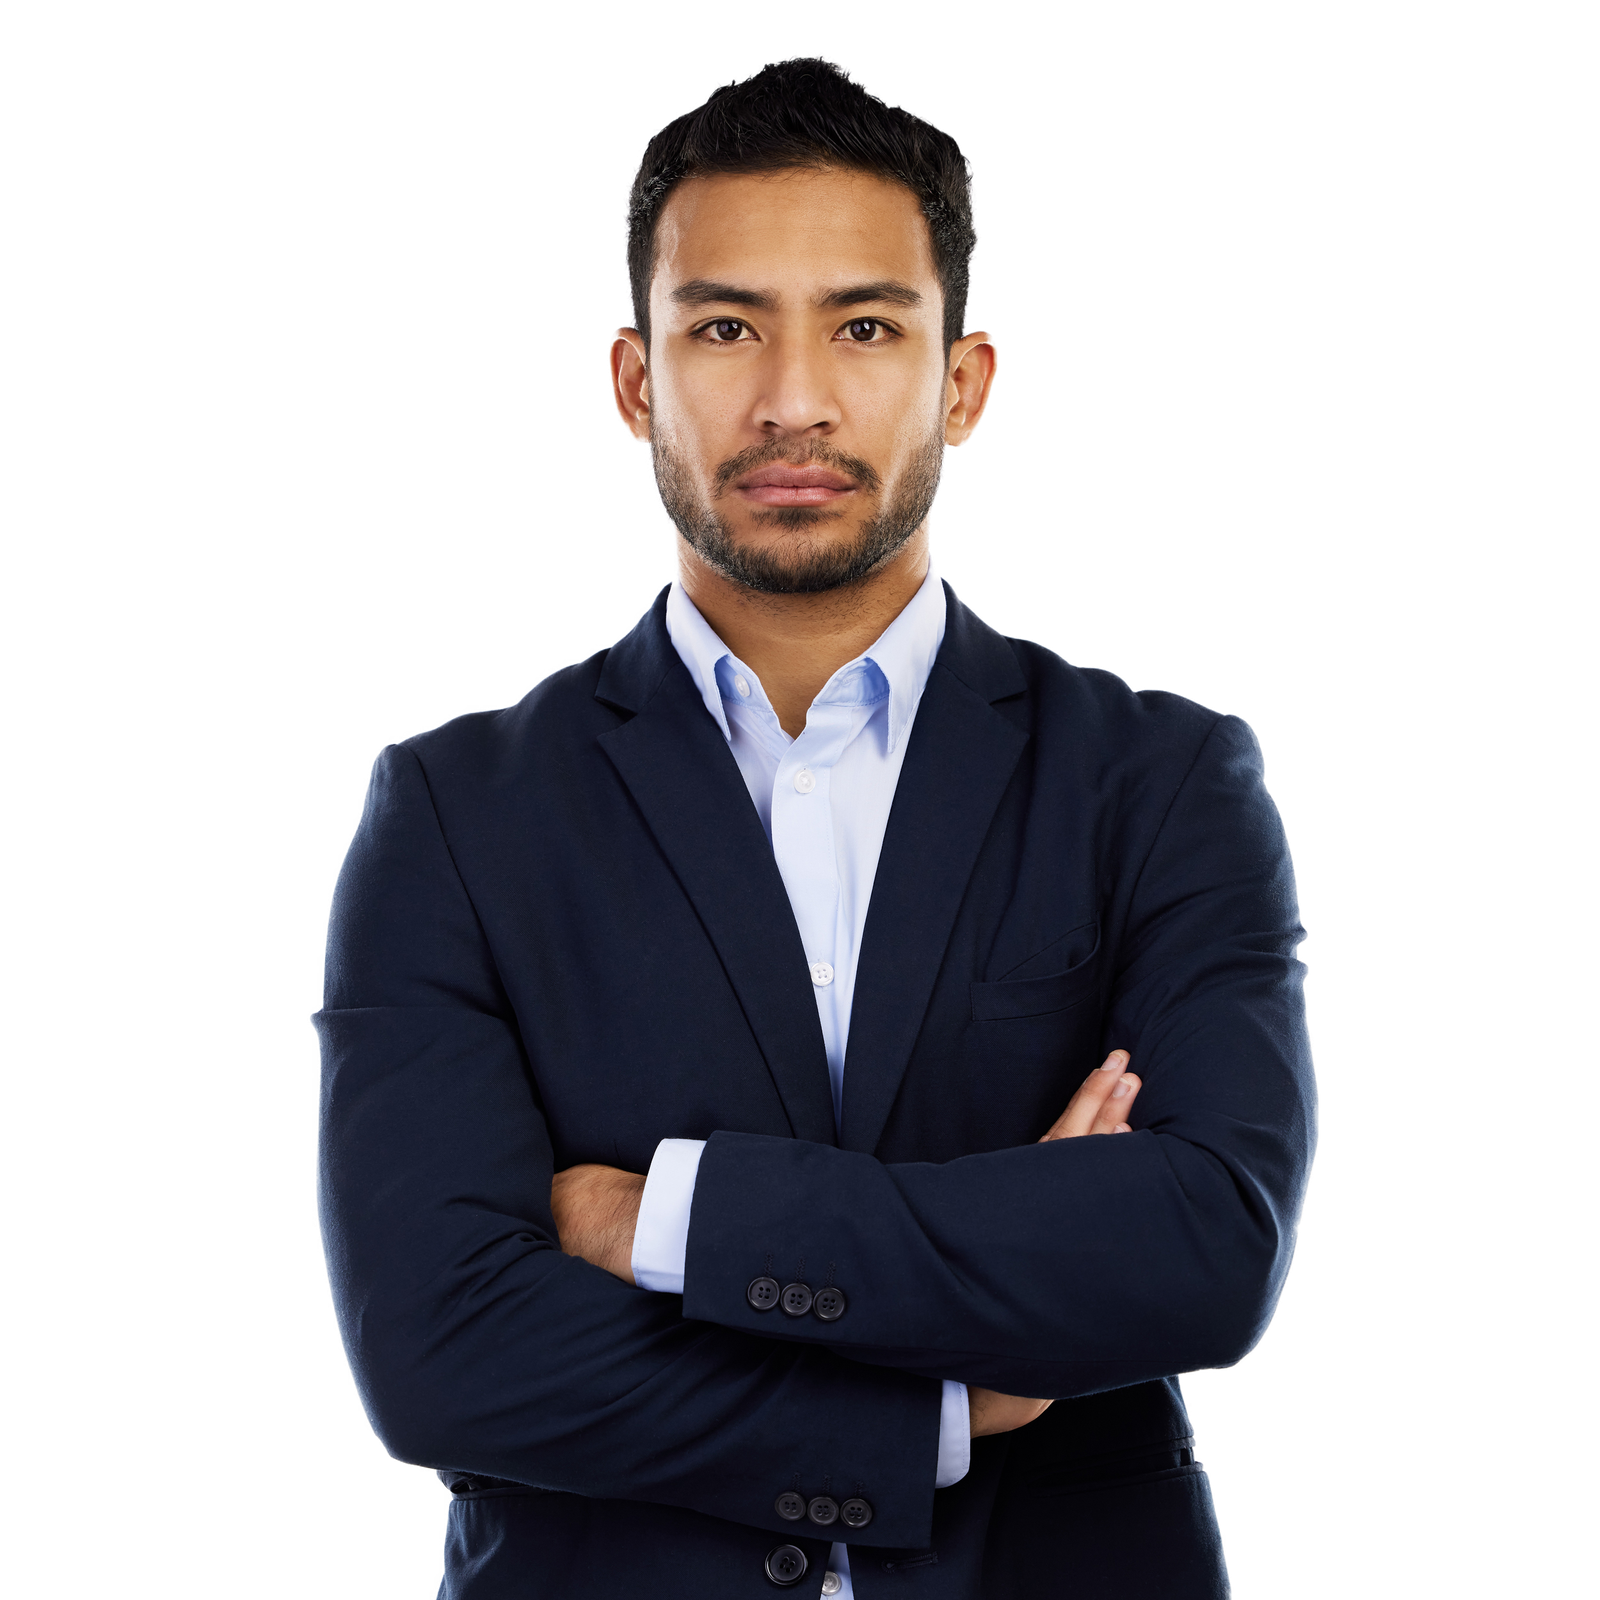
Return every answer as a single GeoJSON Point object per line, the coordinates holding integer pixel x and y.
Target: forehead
{"type": "Point", "coordinates": [794, 232]}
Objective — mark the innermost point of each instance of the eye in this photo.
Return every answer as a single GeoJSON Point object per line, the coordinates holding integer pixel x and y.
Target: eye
{"type": "Point", "coordinates": [864, 329]}
{"type": "Point", "coordinates": [726, 331]}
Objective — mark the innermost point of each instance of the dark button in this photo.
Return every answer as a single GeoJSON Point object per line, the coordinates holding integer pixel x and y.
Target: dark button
{"type": "Point", "coordinates": [796, 1299]}
{"type": "Point", "coordinates": [786, 1565]}
{"type": "Point", "coordinates": [855, 1513]}
{"type": "Point", "coordinates": [823, 1511]}
{"type": "Point", "coordinates": [790, 1506]}
{"type": "Point", "coordinates": [762, 1293]}
{"type": "Point", "coordinates": [829, 1304]}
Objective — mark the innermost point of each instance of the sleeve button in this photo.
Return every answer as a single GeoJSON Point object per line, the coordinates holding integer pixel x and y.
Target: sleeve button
{"type": "Point", "coordinates": [829, 1304]}
{"type": "Point", "coordinates": [762, 1293]}
{"type": "Point", "coordinates": [796, 1299]}
{"type": "Point", "coordinates": [855, 1513]}
{"type": "Point", "coordinates": [790, 1506]}
{"type": "Point", "coordinates": [823, 1511]}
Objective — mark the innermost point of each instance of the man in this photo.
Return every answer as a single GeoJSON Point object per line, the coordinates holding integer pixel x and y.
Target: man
{"type": "Point", "coordinates": [698, 1194]}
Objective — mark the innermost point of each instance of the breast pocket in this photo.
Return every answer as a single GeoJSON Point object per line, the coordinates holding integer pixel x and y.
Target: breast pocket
{"type": "Point", "coordinates": [1013, 998]}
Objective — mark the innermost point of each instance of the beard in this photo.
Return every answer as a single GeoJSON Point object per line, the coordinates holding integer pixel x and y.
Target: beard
{"type": "Point", "coordinates": [801, 564]}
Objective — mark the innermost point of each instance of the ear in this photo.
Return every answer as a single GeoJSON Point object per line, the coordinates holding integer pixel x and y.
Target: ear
{"type": "Point", "coordinates": [972, 362]}
{"type": "Point", "coordinates": [630, 381]}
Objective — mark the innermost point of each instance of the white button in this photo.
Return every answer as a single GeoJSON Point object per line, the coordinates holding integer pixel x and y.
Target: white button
{"type": "Point", "coordinates": [805, 780]}
{"type": "Point", "coordinates": [821, 974]}
{"type": "Point", "coordinates": [742, 684]}
{"type": "Point", "coordinates": [832, 1583]}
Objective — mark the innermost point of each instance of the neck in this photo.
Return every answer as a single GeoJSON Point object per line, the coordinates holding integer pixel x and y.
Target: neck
{"type": "Point", "coordinates": [795, 642]}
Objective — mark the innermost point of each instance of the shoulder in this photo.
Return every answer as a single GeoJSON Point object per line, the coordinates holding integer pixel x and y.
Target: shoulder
{"type": "Point", "coordinates": [1156, 764]}
{"type": "Point", "coordinates": [1094, 708]}
{"type": "Point", "coordinates": [555, 714]}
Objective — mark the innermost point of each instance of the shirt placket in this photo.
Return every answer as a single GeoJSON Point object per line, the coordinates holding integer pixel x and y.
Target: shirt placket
{"type": "Point", "coordinates": [803, 844]}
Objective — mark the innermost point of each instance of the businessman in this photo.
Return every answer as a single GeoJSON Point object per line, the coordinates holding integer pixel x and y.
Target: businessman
{"type": "Point", "coordinates": [801, 1085]}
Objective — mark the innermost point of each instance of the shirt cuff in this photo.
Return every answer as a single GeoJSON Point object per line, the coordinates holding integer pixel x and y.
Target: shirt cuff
{"type": "Point", "coordinates": [661, 1235]}
{"type": "Point", "coordinates": [955, 1434]}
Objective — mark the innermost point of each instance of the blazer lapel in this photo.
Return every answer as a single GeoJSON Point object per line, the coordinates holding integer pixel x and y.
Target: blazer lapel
{"type": "Point", "coordinates": [683, 777]}
{"type": "Point", "coordinates": [959, 761]}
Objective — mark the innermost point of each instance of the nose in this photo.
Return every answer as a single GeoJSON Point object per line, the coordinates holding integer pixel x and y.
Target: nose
{"type": "Point", "coordinates": [798, 399]}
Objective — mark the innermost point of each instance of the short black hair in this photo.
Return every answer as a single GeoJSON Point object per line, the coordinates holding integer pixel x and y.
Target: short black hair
{"type": "Point", "coordinates": [807, 113]}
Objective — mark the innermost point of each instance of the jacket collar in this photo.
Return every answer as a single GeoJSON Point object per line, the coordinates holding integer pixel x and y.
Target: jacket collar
{"type": "Point", "coordinates": [676, 763]}
{"type": "Point", "coordinates": [958, 764]}
{"type": "Point", "coordinates": [971, 652]}
{"type": "Point", "coordinates": [692, 796]}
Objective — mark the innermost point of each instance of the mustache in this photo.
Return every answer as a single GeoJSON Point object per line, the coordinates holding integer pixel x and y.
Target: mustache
{"type": "Point", "coordinates": [806, 453]}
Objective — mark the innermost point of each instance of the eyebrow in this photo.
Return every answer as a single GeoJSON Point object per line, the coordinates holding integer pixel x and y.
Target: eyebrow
{"type": "Point", "coordinates": [886, 292]}
{"type": "Point", "coordinates": [709, 292]}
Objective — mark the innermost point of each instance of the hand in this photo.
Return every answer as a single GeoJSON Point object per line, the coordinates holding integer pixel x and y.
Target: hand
{"type": "Point", "coordinates": [989, 1411]}
{"type": "Point", "coordinates": [1102, 1102]}
{"type": "Point", "coordinates": [596, 1210]}
{"type": "Point", "coordinates": [1101, 1105]}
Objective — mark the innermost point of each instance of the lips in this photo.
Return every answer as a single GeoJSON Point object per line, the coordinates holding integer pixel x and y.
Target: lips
{"type": "Point", "coordinates": [780, 485]}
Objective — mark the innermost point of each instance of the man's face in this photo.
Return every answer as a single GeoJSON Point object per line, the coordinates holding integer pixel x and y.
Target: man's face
{"type": "Point", "coordinates": [797, 386]}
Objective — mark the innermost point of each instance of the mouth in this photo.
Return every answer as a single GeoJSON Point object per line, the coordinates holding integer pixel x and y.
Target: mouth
{"type": "Point", "coordinates": [778, 485]}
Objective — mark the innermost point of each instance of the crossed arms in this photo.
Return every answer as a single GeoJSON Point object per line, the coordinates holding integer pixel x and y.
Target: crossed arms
{"type": "Point", "coordinates": [1055, 1269]}
{"type": "Point", "coordinates": [596, 1209]}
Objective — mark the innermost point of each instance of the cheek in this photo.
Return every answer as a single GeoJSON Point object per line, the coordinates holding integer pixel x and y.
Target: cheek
{"type": "Point", "coordinates": [897, 404]}
{"type": "Point", "coordinates": [698, 414]}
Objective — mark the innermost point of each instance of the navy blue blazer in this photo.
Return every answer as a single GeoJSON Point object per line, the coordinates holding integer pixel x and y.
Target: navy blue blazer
{"type": "Point", "coordinates": [560, 936]}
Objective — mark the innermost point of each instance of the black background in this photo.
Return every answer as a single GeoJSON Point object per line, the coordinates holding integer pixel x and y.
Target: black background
{"type": "Point", "coordinates": [1175, 480]}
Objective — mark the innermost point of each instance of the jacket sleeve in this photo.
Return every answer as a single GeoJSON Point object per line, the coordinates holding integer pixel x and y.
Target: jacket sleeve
{"type": "Point", "coordinates": [1084, 1264]}
{"type": "Point", "coordinates": [476, 1344]}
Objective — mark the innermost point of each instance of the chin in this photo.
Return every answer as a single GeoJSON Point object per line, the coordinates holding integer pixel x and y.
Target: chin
{"type": "Point", "coordinates": [800, 547]}
{"type": "Point", "coordinates": [795, 517]}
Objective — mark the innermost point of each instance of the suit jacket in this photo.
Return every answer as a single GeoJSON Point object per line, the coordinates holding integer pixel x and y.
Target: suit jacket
{"type": "Point", "coordinates": [560, 936]}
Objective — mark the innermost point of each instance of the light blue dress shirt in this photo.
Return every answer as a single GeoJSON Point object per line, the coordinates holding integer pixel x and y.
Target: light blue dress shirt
{"type": "Point", "coordinates": [824, 801]}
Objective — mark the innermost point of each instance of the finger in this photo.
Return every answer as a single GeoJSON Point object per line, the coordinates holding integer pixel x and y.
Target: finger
{"type": "Point", "coordinates": [1085, 1105]}
{"type": "Point", "coordinates": [1113, 1113]}
{"type": "Point", "coordinates": [1093, 1093]}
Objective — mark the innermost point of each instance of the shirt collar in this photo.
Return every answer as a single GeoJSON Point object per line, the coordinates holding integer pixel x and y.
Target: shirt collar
{"type": "Point", "coordinates": [904, 653]}
{"type": "Point", "coordinates": [699, 649]}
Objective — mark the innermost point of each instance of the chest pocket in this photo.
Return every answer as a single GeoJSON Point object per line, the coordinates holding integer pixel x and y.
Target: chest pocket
{"type": "Point", "coordinates": [1014, 998]}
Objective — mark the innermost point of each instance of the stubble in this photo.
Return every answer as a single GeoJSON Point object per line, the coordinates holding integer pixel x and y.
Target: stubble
{"type": "Point", "coordinates": [799, 565]}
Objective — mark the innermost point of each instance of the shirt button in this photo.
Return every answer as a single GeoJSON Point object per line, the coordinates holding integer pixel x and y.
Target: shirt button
{"type": "Point", "coordinates": [742, 684]}
{"type": "Point", "coordinates": [832, 1583]}
{"type": "Point", "coordinates": [821, 974]}
{"type": "Point", "coordinates": [804, 781]}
